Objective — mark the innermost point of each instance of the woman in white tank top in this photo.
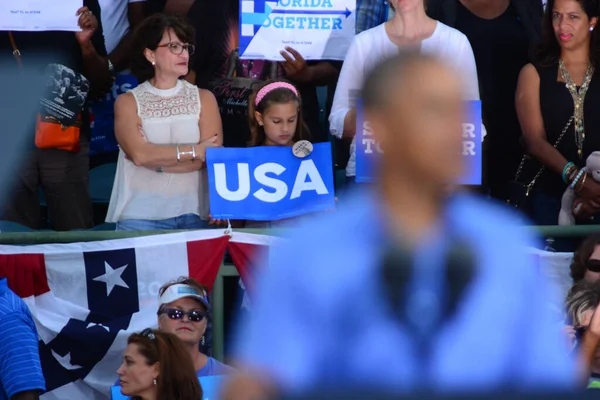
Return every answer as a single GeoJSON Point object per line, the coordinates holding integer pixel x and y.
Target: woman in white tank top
{"type": "Point", "coordinates": [163, 127]}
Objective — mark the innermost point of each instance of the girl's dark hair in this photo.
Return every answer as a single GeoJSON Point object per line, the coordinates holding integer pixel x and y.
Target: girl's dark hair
{"type": "Point", "coordinates": [581, 256]}
{"type": "Point", "coordinates": [149, 34]}
{"type": "Point", "coordinates": [177, 378]}
{"type": "Point", "coordinates": [275, 96]}
{"type": "Point", "coordinates": [547, 52]}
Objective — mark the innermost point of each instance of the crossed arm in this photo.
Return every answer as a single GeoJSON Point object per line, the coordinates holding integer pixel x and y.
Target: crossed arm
{"type": "Point", "coordinates": [152, 156]}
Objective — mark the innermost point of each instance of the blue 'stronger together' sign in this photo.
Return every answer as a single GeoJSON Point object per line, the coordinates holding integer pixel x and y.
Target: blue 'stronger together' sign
{"type": "Point", "coordinates": [269, 183]}
{"type": "Point", "coordinates": [318, 29]}
{"type": "Point", "coordinates": [210, 388]}
{"type": "Point", "coordinates": [367, 148]}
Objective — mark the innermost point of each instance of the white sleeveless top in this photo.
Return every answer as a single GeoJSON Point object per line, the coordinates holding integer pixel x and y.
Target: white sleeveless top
{"type": "Point", "coordinates": [168, 117]}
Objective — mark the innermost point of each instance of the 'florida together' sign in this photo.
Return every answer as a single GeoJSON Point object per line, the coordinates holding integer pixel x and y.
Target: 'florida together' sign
{"type": "Point", "coordinates": [317, 29]}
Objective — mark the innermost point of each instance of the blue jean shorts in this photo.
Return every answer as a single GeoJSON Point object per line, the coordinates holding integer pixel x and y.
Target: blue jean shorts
{"type": "Point", "coordinates": [186, 221]}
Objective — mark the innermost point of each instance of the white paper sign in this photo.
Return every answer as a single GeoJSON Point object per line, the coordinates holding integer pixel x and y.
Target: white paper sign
{"type": "Point", "coordinates": [317, 29]}
{"type": "Point", "coordinates": [39, 15]}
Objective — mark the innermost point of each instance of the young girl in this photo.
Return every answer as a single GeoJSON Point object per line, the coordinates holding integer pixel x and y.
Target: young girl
{"type": "Point", "coordinates": [275, 113]}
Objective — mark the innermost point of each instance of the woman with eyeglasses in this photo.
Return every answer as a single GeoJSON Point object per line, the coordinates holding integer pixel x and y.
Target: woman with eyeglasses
{"type": "Point", "coordinates": [184, 311]}
{"type": "Point", "coordinates": [156, 366]}
{"type": "Point", "coordinates": [163, 127]}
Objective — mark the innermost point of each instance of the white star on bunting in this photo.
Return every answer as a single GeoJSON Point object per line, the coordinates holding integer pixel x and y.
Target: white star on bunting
{"type": "Point", "coordinates": [92, 324]}
{"type": "Point", "coordinates": [112, 277]}
{"type": "Point", "coordinates": [65, 361]}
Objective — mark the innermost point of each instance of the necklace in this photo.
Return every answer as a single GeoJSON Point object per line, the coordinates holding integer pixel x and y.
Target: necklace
{"type": "Point", "coordinates": [578, 96]}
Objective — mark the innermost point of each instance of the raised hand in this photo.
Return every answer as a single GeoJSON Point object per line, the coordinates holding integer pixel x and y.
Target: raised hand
{"type": "Point", "coordinates": [295, 66]}
{"type": "Point", "coordinates": [88, 24]}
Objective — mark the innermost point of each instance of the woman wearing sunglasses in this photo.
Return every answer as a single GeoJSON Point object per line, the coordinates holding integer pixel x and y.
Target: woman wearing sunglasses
{"type": "Point", "coordinates": [163, 127]}
{"type": "Point", "coordinates": [156, 366]}
{"type": "Point", "coordinates": [585, 267]}
{"type": "Point", "coordinates": [184, 311]}
{"type": "Point", "coordinates": [586, 260]}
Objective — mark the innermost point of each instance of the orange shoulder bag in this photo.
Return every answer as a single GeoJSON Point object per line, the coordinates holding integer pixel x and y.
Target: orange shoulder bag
{"type": "Point", "coordinates": [49, 133]}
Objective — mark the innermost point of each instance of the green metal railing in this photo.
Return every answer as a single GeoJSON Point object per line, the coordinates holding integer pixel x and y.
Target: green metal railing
{"type": "Point", "coordinates": [226, 270]}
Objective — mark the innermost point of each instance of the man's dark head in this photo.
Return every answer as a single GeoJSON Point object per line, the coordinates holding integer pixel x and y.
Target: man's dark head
{"type": "Point", "coordinates": [415, 106]}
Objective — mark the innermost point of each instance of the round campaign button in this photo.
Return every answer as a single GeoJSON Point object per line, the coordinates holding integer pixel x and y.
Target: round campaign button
{"type": "Point", "coordinates": [302, 148]}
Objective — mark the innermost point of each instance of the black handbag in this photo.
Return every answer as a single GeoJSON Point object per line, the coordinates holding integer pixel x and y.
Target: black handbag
{"type": "Point", "coordinates": [519, 192]}
{"type": "Point", "coordinates": [232, 93]}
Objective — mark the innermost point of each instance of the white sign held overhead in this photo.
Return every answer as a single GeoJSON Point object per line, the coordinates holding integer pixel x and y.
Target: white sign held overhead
{"type": "Point", "coordinates": [317, 29]}
{"type": "Point", "coordinates": [39, 15]}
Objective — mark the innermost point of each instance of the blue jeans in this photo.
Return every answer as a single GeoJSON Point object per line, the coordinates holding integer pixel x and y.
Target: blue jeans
{"type": "Point", "coordinates": [186, 221]}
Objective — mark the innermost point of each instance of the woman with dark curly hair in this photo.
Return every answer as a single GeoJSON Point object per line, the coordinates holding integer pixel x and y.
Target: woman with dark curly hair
{"type": "Point", "coordinates": [163, 127]}
{"type": "Point", "coordinates": [557, 100]}
{"type": "Point", "coordinates": [586, 260]}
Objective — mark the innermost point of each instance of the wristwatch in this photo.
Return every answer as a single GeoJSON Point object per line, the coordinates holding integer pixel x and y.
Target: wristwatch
{"type": "Point", "coordinates": [160, 169]}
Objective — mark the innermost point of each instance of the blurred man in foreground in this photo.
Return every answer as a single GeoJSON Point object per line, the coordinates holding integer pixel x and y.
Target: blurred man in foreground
{"type": "Point", "coordinates": [405, 289]}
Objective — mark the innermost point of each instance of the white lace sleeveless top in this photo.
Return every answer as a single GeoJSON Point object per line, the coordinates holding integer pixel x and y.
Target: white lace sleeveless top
{"type": "Point", "coordinates": [168, 117]}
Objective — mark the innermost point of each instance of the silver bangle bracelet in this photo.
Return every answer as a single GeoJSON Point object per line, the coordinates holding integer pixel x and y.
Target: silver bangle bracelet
{"type": "Point", "coordinates": [178, 154]}
{"type": "Point", "coordinates": [193, 153]}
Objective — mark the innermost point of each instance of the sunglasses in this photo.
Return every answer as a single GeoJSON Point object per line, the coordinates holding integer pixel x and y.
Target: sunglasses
{"type": "Point", "coordinates": [177, 48]}
{"type": "Point", "coordinates": [148, 333]}
{"type": "Point", "coordinates": [175, 313]}
{"type": "Point", "coordinates": [593, 265]}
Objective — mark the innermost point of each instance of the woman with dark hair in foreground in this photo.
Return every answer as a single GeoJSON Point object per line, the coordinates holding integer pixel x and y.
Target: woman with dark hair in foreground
{"type": "Point", "coordinates": [156, 366]}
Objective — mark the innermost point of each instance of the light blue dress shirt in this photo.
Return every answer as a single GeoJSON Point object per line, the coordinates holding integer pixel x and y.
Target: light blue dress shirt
{"type": "Point", "coordinates": [320, 318]}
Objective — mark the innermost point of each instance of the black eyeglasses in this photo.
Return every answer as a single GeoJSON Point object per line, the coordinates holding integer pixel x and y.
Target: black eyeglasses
{"type": "Point", "coordinates": [178, 48]}
{"type": "Point", "coordinates": [593, 265]}
{"type": "Point", "coordinates": [148, 333]}
{"type": "Point", "coordinates": [175, 313]}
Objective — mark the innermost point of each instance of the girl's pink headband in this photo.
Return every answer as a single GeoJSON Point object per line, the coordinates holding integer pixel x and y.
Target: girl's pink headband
{"type": "Point", "coordinates": [272, 86]}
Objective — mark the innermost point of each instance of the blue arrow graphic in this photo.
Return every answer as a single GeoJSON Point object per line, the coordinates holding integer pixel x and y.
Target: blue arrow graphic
{"type": "Point", "coordinates": [255, 18]}
{"type": "Point", "coordinates": [315, 12]}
